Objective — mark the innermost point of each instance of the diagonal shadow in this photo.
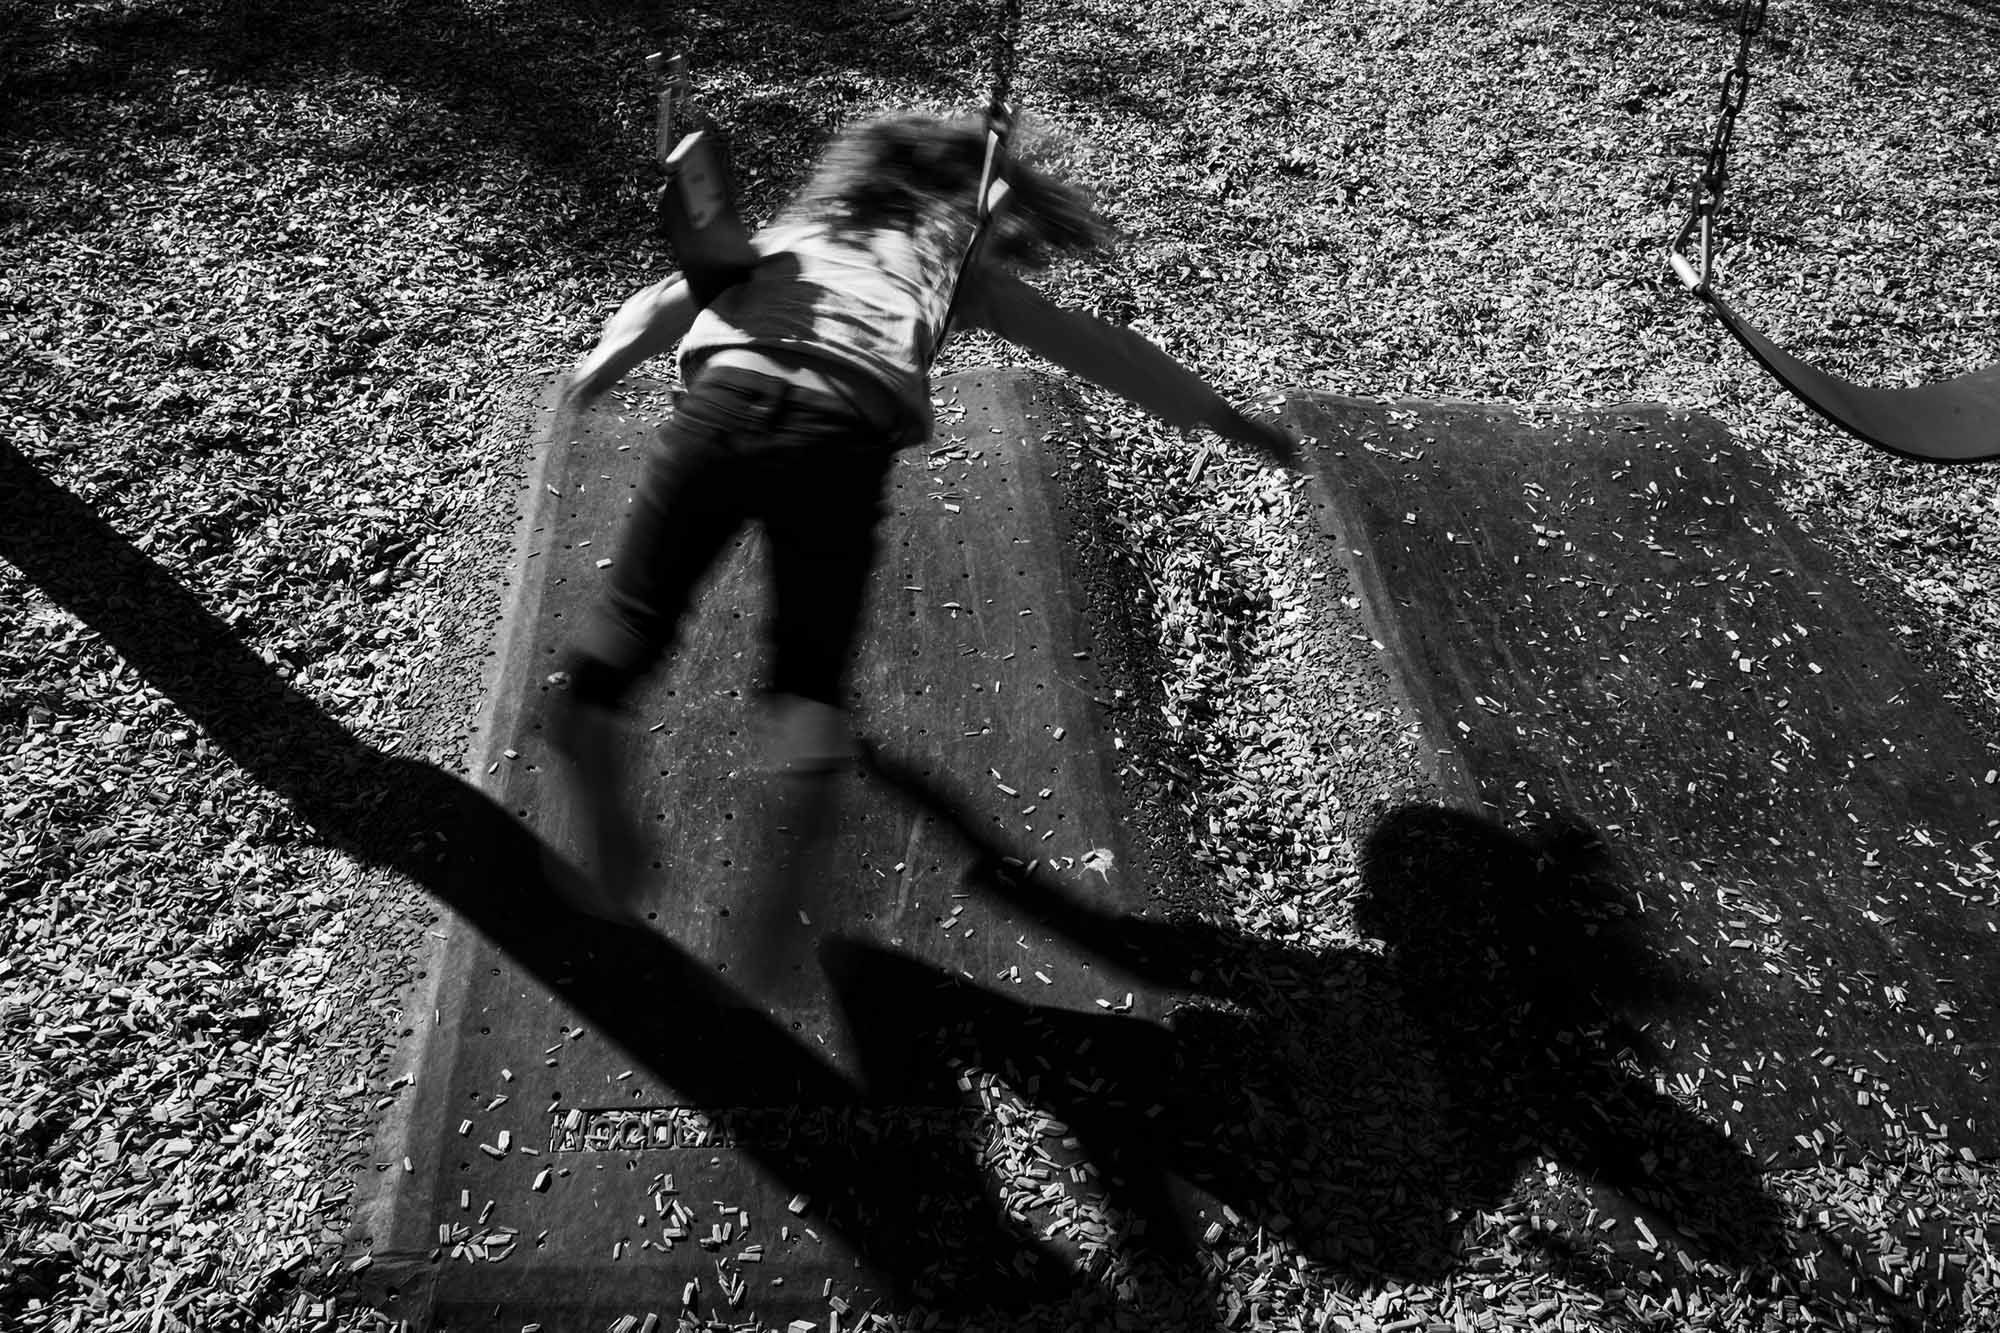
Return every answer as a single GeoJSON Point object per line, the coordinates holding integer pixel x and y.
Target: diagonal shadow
{"type": "Point", "coordinates": [1528, 1055]}
{"type": "Point", "coordinates": [529, 80]}
{"type": "Point", "coordinates": [1364, 1102]}
{"type": "Point", "coordinates": [913, 1207]}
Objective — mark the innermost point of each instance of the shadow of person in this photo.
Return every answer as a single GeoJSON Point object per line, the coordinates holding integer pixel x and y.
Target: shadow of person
{"type": "Point", "coordinates": [1107, 1088]}
{"type": "Point", "coordinates": [906, 1201]}
{"type": "Point", "coordinates": [1527, 965]}
{"type": "Point", "coordinates": [1362, 1105]}
{"type": "Point", "coordinates": [1350, 1101]}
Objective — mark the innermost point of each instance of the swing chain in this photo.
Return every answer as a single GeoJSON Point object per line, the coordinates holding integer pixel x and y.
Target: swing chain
{"type": "Point", "coordinates": [1006, 37]}
{"type": "Point", "coordinates": [1715, 173]}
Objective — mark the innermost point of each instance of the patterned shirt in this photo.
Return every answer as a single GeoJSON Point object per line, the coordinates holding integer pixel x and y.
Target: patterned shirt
{"type": "Point", "coordinates": [871, 301]}
{"type": "Point", "coordinates": [876, 302]}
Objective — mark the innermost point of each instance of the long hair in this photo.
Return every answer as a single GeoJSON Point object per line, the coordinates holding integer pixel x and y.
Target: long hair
{"type": "Point", "coordinates": [908, 169]}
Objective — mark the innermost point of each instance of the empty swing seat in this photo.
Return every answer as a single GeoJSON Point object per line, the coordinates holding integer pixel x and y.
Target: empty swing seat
{"type": "Point", "coordinates": [1951, 421]}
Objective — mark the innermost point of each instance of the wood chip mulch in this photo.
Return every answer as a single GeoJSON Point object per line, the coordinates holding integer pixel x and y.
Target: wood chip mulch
{"type": "Point", "coordinates": [272, 279]}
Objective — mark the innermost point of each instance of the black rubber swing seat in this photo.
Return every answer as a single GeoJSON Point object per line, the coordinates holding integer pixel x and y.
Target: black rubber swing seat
{"type": "Point", "coordinates": [1952, 421]}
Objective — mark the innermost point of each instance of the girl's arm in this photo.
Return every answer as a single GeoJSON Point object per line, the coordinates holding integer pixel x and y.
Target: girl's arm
{"type": "Point", "coordinates": [1117, 359]}
{"type": "Point", "coordinates": [652, 321]}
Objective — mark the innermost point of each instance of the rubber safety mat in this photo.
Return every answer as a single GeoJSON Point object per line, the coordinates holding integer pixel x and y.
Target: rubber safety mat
{"type": "Point", "coordinates": [1612, 631]}
{"type": "Point", "coordinates": [602, 1124]}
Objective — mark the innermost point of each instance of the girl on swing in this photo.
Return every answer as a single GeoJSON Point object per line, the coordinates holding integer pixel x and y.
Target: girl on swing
{"type": "Point", "coordinates": [802, 382]}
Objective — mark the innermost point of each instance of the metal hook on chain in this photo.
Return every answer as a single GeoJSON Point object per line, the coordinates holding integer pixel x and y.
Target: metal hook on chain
{"type": "Point", "coordinates": [1708, 188]}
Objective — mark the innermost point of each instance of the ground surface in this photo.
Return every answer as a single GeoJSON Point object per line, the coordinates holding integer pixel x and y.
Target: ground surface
{"type": "Point", "coordinates": [829, 1070]}
{"type": "Point", "coordinates": [276, 281]}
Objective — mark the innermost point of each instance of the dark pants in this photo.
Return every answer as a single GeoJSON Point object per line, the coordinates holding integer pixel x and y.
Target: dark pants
{"type": "Point", "coordinates": [745, 447]}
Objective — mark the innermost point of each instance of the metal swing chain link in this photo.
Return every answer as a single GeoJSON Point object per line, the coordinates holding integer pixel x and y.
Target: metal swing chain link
{"type": "Point", "coordinates": [999, 127]}
{"type": "Point", "coordinates": [1006, 38]}
{"type": "Point", "coordinates": [1714, 178]}
{"type": "Point", "coordinates": [1735, 92]}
